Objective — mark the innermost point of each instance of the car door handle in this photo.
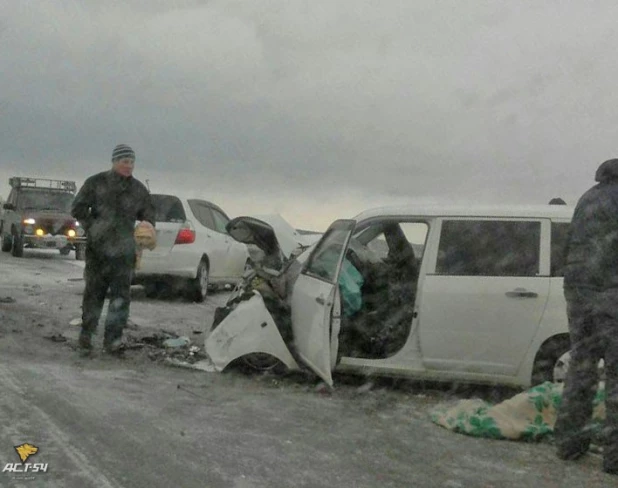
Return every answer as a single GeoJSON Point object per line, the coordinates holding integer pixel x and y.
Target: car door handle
{"type": "Point", "coordinates": [521, 293]}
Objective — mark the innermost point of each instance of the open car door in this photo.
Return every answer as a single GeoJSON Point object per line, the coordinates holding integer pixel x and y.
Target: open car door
{"type": "Point", "coordinates": [313, 296]}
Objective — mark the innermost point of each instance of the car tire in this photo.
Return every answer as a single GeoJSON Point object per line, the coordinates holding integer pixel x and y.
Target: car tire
{"type": "Point", "coordinates": [152, 289]}
{"type": "Point", "coordinates": [65, 251]}
{"type": "Point", "coordinates": [80, 252]}
{"type": "Point", "coordinates": [18, 246]}
{"type": "Point", "coordinates": [547, 359]}
{"type": "Point", "coordinates": [7, 242]}
{"type": "Point", "coordinates": [262, 362]}
{"type": "Point", "coordinates": [198, 287]}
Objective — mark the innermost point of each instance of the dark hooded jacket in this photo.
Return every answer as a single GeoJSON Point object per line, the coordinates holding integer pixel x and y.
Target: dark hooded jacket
{"type": "Point", "coordinates": [107, 206]}
{"type": "Point", "coordinates": [592, 248]}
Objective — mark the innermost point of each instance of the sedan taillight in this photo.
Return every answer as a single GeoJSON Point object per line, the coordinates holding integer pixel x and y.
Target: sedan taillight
{"type": "Point", "coordinates": [186, 234]}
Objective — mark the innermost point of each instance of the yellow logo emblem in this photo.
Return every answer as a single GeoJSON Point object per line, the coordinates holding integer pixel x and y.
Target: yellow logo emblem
{"type": "Point", "coordinates": [25, 451]}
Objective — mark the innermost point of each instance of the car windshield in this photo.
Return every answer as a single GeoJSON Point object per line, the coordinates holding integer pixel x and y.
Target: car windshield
{"type": "Point", "coordinates": [45, 200]}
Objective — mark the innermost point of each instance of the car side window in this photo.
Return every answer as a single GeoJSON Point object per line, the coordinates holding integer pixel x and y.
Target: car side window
{"type": "Point", "coordinates": [489, 248]}
{"type": "Point", "coordinates": [202, 214]}
{"type": "Point", "coordinates": [559, 237]}
{"type": "Point", "coordinates": [220, 221]}
{"type": "Point", "coordinates": [323, 263]}
{"type": "Point", "coordinates": [414, 232]}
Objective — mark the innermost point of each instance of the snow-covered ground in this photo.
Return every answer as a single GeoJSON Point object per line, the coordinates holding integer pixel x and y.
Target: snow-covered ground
{"type": "Point", "coordinates": [135, 422]}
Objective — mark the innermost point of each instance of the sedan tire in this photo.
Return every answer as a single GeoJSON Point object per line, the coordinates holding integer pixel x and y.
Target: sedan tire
{"type": "Point", "coordinates": [80, 252]}
{"type": "Point", "coordinates": [198, 287]}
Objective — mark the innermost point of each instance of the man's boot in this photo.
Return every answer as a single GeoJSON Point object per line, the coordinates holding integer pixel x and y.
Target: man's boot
{"type": "Point", "coordinates": [112, 342]}
{"type": "Point", "coordinates": [85, 341]}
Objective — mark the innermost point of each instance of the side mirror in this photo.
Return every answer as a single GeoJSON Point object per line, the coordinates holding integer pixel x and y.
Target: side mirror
{"type": "Point", "coordinates": [8, 206]}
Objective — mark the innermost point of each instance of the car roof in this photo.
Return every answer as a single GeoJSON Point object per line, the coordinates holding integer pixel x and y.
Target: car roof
{"type": "Point", "coordinates": [187, 200]}
{"type": "Point", "coordinates": [509, 211]}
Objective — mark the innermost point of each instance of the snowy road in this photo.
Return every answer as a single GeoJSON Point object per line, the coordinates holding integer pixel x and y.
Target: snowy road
{"type": "Point", "coordinates": [106, 422]}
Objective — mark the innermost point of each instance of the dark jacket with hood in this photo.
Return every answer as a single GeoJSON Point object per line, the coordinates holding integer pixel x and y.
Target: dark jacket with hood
{"type": "Point", "coordinates": [107, 206]}
{"type": "Point", "coordinates": [592, 248]}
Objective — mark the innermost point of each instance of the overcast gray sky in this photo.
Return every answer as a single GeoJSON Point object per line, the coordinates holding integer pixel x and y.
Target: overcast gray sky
{"type": "Point", "coordinates": [316, 109]}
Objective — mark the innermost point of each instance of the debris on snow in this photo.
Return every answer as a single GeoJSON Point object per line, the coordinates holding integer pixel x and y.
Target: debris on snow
{"type": "Point", "coordinates": [203, 365]}
{"type": "Point", "coordinates": [57, 338]}
{"type": "Point", "coordinates": [366, 388]}
{"type": "Point", "coordinates": [323, 389]}
{"type": "Point", "coordinates": [177, 342]}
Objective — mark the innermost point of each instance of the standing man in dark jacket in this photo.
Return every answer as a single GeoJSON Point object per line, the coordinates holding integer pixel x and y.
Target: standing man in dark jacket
{"type": "Point", "coordinates": [591, 291]}
{"type": "Point", "coordinates": [107, 206]}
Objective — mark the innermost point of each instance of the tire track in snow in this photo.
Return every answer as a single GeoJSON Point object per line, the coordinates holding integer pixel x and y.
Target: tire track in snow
{"type": "Point", "coordinates": [14, 403]}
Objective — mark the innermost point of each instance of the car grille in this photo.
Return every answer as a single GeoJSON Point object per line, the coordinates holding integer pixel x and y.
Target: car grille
{"type": "Point", "coordinates": [54, 227]}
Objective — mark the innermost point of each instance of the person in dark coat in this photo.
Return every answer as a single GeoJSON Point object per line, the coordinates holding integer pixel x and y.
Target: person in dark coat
{"type": "Point", "coordinates": [108, 206]}
{"type": "Point", "coordinates": [591, 292]}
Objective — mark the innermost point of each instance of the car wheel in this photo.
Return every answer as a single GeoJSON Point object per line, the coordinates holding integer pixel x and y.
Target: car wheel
{"type": "Point", "coordinates": [18, 246]}
{"type": "Point", "coordinates": [551, 362]}
{"type": "Point", "coordinates": [262, 362]}
{"type": "Point", "coordinates": [7, 242]}
{"type": "Point", "coordinates": [65, 251]}
{"type": "Point", "coordinates": [198, 287]}
{"type": "Point", "coordinates": [80, 252]}
{"type": "Point", "coordinates": [151, 289]}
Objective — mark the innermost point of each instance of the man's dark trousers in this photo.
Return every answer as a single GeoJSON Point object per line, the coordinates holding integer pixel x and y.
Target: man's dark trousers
{"type": "Point", "coordinates": [593, 326]}
{"type": "Point", "coordinates": [102, 274]}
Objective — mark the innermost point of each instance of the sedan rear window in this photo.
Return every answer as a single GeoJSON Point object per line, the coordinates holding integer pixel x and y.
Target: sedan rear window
{"type": "Point", "coordinates": [168, 208]}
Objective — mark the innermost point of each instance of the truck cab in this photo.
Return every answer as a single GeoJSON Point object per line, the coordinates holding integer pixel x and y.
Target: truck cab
{"type": "Point", "coordinates": [37, 214]}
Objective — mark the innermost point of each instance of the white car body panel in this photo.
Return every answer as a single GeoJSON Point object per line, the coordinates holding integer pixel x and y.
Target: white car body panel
{"type": "Point", "coordinates": [468, 324]}
{"type": "Point", "coordinates": [312, 302]}
{"type": "Point", "coordinates": [251, 329]}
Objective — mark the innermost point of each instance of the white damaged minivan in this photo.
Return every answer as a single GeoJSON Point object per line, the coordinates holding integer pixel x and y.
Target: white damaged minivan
{"type": "Point", "coordinates": [470, 294]}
